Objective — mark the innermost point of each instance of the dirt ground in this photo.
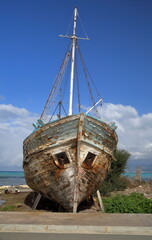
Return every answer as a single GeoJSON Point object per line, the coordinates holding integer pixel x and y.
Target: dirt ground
{"type": "Point", "coordinates": [22, 198]}
{"type": "Point", "coordinates": [144, 188]}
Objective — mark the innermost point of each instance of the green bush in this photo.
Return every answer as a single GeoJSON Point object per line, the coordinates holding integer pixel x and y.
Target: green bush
{"type": "Point", "coordinates": [133, 203]}
{"type": "Point", "coordinates": [114, 180]}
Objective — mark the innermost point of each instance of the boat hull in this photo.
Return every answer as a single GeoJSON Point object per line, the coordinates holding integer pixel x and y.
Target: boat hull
{"type": "Point", "coordinates": [67, 160]}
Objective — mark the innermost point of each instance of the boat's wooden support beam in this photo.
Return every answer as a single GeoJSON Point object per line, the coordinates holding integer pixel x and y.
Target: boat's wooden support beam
{"type": "Point", "coordinates": [100, 201]}
{"type": "Point", "coordinates": [75, 208]}
{"type": "Point", "coordinates": [36, 202]}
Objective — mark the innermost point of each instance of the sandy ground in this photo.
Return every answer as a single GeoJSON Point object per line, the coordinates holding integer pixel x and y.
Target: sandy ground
{"type": "Point", "coordinates": [21, 198]}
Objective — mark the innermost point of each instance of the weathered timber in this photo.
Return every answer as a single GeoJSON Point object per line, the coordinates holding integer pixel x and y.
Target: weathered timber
{"type": "Point", "coordinates": [66, 160]}
{"type": "Point", "coordinates": [100, 201]}
{"type": "Point", "coordinates": [36, 202]}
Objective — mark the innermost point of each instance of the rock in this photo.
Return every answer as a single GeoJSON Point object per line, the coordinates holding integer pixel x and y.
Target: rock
{"type": "Point", "coordinates": [24, 186]}
{"type": "Point", "coordinates": [16, 191]}
{"type": "Point", "coordinates": [6, 191]}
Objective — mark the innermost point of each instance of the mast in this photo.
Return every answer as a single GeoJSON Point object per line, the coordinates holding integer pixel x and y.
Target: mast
{"type": "Point", "coordinates": [73, 37]}
{"type": "Point", "coordinates": [73, 48]}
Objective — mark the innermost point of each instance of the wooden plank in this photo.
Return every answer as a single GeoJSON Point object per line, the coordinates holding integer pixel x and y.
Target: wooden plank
{"type": "Point", "coordinates": [36, 202]}
{"type": "Point", "coordinates": [100, 201]}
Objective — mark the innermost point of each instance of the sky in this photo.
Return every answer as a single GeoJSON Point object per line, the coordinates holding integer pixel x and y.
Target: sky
{"type": "Point", "coordinates": [118, 56]}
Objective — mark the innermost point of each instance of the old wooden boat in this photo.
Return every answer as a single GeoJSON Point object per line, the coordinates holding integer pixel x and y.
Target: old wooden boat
{"type": "Point", "coordinates": [67, 159]}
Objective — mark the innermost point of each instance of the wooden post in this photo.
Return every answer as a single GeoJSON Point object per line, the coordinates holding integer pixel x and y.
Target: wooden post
{"type": "Point", "coordinates": [100, 201]}
{"type": "Point", "coordinates": [138, 174]}
{"type": "Point", "coordinates": [36, 202]}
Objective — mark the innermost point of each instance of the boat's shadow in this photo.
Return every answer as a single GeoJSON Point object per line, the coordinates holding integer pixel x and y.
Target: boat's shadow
{"type": "Point", "coordinates": [48, 205]}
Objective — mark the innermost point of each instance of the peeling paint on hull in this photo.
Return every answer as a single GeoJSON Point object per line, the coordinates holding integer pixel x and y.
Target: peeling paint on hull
{"type": "Point", "coordinates": [68, 159]}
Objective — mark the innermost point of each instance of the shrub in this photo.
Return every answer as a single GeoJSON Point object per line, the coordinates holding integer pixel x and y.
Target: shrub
{"type": "Point", "coordinates": [133, 203]}
{"type": "Point", "coordinates": [114, 180]}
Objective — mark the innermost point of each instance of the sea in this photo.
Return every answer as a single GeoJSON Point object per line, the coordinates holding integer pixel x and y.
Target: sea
{"type": "Point", "coordinates": [144, 176]}
{"type": "Point", "coordinates": [14, 178]}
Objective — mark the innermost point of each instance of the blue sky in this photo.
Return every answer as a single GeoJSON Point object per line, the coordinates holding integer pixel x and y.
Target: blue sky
{"type": "Point", "coordinates": [118, 54]}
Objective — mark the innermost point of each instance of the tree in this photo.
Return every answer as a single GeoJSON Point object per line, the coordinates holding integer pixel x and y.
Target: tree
{"type": "Point", "coordinates": [115, 180]}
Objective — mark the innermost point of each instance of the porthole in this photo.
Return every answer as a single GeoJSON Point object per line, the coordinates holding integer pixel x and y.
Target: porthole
{"type": "Point", "coordinates": [89, 160]}
{"type": "Point", "coordinates": [61, 159]}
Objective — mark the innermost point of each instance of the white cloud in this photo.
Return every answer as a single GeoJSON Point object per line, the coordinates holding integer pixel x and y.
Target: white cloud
{"type": "Point", "coordinates": [15, 126]}
{"type": "Point", "coordinates": [134, 131]}
{"type": "Point", "coordinates": [10, 112]}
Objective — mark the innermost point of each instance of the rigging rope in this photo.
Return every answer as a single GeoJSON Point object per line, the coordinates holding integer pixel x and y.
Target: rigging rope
{"type": "Point", "coordinates": [93, 84]}
{"type": "Point", "coordinates": [69, 25]}
{"type": "Point", "coordinates": [66, 78]}
{"type": "Point", "coordinates": [86, 75]}
{"type": "Point", "coordinates": [87, 80]}
{"type": "Point", "coordinates": [64, 110]}
{"type": "Point", "coordinates": [57, 83]}
{"type": "Point", "coordinates": [58, 80]}
{"type": "Point", "coordinates": [82, 26]}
